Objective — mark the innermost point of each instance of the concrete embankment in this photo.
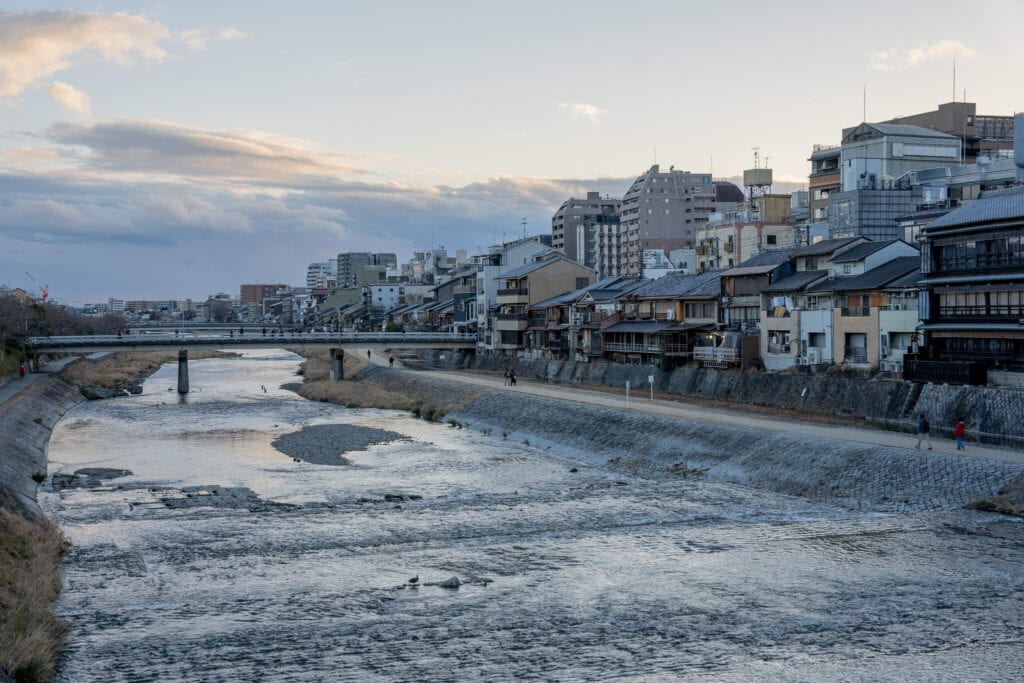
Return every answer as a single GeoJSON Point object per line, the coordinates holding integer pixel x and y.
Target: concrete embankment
{"type": "Point", "coordinates": [856, 475]}
{"type": "Point", "coordinates": [26, 422]}
{"type": "Point", "coordinates": [992, 415]}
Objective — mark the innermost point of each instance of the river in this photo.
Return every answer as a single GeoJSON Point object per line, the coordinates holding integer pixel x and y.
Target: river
{"type": "Point", "coordinates": [220, 558]}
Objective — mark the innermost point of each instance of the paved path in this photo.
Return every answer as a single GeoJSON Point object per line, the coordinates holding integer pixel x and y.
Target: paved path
{"type": "Point", "coordinates": [714, 415]}
{"type": "Point", "coordinates": [16, 385]}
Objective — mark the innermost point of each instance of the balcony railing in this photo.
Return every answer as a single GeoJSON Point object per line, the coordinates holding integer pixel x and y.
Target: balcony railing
{"type": "Point", "coordinates": [631, 348]}
{"type": "Point", "coordinates": [855, 354]}
{"type": "Point", "coordinates": [772, 313]}
{"type": "Point", "coordinates": [511, 316]}
{"type": "Point", "coordinates": [464, 289]}
{"type": "Point", "coordinates": [717, 354]}
{"type": "Point", "coordinates": [856, 311]}
{"type": "Point", "coordinates": [514, 291]}
{"type": "Point", "coordinates": [676, 349]}
{"type": "Point", "coordinates": [944, 372]}
{"type": "Point", "coordinates": [779, 348]}
{"type": "Point", "coordinates": [557, 344]}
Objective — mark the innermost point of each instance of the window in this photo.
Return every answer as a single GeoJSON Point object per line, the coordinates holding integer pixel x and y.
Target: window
{"type": "Point", "coordinates": [582, 282]}
{"type": "Point", "coordinates": [846, 269]}
{"type": "Point", "coordinates": [772, 239]}
{"type": "Point", "coordinates": [810, 264]}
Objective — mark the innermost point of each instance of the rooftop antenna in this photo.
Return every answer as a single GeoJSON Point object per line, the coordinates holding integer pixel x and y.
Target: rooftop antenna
{"type": "Point", "coordinates": [757, 156]}
{"type": "Point", "coordinates": [524, 222]}
{"type": "Point", "coordinates": [864, 106]}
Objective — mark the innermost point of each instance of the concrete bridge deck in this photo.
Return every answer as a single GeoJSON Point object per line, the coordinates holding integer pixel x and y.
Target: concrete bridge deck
{"type": "Point", "coordinates": [167, 341]}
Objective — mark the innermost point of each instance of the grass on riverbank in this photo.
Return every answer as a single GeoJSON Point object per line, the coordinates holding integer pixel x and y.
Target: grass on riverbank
{"type": "Point", "coordinates": [354, 393]}
{"type": "Point", "coordinates": [121, 369]}
{"type": "Point", "coordinates": [30, 581]}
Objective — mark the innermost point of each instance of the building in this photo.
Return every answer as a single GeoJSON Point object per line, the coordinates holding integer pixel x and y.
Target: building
{"type": "Point", "coordinates": [352, 267]}
{"type": "Point", "coordinates": [981, 135]}
{"type": "Point", "coordinates": [256, 293]}
{"type": "Point", "coordinates": [972, 261]}
{"type": "Point", "coordinates": [660, 210]}
{"type": "Point", "coordinates": [661, 319]}
{"type": "Point", "coordinates": [490, 265]}
{"type": "Point", "coordinates": [742, 285]}
{"type": "Point", "coordinates": [824, 180]}
{"type": "Point", "coordinates": [760, 224]}
{"type": "Point", "coordinates": [576, 225]}
{"type": "Point", "coordinates": [317, 272]}
{"type": "Point", "coordinates": [876, 164]}
{"type": "Point", "coordinates": [547, 276]}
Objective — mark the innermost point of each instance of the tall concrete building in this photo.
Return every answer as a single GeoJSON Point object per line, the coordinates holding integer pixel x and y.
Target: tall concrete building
{"type": "Point", "coordinates": [661, 210]}
{"type": "Point", "coordinates": [256, 293]}
{"type": "Point", "coordinates": [575, 227]}
{"type": "Point", "coordinates": [982, 135]}
{"type": "Point", "coordinates": [316, 271]}
{"type": "Point", "coordinates": [877, 165]}
{"type": "Point", "coordinates": [352, 265]}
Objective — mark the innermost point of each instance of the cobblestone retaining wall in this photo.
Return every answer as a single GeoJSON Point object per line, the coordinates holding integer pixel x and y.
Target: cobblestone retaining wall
{"type": "Point", "coordinates": [993, 415]}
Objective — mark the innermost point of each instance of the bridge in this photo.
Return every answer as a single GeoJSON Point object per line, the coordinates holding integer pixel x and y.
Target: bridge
{"type": "Point", "coordinates": [181, 342]}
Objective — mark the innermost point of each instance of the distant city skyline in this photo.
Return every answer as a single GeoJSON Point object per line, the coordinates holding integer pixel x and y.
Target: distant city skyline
{"type": "Point", "coordinates": [156, 150]}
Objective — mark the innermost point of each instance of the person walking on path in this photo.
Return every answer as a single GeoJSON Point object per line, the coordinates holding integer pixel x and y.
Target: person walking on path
{"type": "Point", "coordinates": [960, 433]}
{"type": "Point", "coordinates": [506, 377]}
{"type": "Point", "coordinates": [391, 362]}
{"type": "Point", "coordinates": [368, 354]}
{"type": "Point", "coordinates": [512, 377]}
{"type": "Point", "coordinates": [924, 432]}
{"type": "Point", "coordinates": [21, 371]}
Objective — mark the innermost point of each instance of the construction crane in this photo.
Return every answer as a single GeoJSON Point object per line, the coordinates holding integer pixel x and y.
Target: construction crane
{"type": "Point", "coordinates": [43, 289]}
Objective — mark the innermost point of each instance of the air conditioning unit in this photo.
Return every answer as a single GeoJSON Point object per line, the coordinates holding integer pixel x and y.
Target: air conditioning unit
{"type": "Point", "coordinates": [813, 356]}
{"type": "Point", "coordinates": [801, 360]}
{"type": "Point", "coordinates": [575, 319]}
{"type": "Point", "coordinates": [670, 315]}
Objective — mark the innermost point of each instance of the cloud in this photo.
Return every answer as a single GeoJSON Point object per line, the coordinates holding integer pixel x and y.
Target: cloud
{"type": "Point", "coordinates": [581, 110]}
{"type": "Point", "coordinates": [231, 156]}
{"type": "Point", "coordinates": [198, 39]}
{"type": "Point", "coordinates": [155, 209]}
{"type": "Point", "coordinates": [70, 96]}
{"type": "Point", "coordinates": [901, 59]}
{"type": "Point", "coordinates": [34, 46]}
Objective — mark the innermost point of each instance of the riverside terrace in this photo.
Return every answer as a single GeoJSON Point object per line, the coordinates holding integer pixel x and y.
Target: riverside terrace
{"type": "Point", "coordinates": [336, 342]}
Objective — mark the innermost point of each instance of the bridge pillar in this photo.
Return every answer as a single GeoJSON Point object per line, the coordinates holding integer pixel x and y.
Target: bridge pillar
{"type": "Point", "coordinates": [337, 364]}
{"type": "Point", "coordinates": [183, 371]}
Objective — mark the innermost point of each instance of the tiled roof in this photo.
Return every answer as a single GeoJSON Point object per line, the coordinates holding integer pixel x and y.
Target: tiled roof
{"type": "Point", "coordinates": [530, 267]}
{"type": "Point", "coordinates": [796, 282]}
{"type": "Point", "coordinates": [824, 246]}
{"type": "Point", "coordinates": [988, 207]}
{"type": "Point", "coordinates": [764, 262]}
{"type": "Point", "coordinates": [911, 279]}
{"type": "Point", "coordinates": [875, 278]}
{"type": "Point", "coordinates": [860, 251]}
{"type": "Point", "coordinates": [676, 285]}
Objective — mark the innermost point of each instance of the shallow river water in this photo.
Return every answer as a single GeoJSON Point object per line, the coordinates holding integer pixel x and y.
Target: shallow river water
{"type": "Point", "coordinates": [178, 572]}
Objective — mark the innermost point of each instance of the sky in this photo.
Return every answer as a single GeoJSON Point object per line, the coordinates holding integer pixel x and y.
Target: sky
{"type": "Point", "coordinates": [180, 148]}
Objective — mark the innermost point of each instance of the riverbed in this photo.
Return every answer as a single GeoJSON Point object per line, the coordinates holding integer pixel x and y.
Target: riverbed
{"type": "Point", "coordinates": [222, 558]}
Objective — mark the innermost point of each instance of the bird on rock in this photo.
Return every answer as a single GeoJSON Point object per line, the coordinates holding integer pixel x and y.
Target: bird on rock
{"type": "Point", "coordinates": [414, 580]}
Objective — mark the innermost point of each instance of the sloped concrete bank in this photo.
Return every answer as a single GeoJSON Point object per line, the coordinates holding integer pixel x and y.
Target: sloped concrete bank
{"type": "Point", "coordinates": [992, 415]}
{"type": "Point", "coordinates": [26, 422]}
{"type": "Point", "coordinates": [855, 475]}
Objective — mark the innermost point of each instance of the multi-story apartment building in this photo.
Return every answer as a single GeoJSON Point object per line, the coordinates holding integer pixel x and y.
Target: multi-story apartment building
{"type": "Point", "coordinates": [256, 293]}
{"type": "Point", "coordinates": [661, 210]}
{"type": "Point", "coordinates": [316, 273]}
{"type": "Point", "coordinates": [352, 267]}
{"type": "Point", "coordinates": [575, 227]}
{"type": "Point", "coordinates": [824, 180]}
{"type": "Point", "coordinates": [500, 258]}
{"type": "Point", "coordinates": [982, 135]}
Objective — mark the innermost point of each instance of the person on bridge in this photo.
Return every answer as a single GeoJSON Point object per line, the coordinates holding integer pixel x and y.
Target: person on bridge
{"type": "Point", "coordinates": [21, 371]}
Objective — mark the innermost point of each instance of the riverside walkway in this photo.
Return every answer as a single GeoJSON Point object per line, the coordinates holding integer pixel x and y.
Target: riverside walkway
{"type": "Point", "coordinates": [697, 412]}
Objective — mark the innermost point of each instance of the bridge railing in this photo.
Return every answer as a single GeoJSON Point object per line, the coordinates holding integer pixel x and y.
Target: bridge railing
{"type": "Point", "coordinates": [186, 338]}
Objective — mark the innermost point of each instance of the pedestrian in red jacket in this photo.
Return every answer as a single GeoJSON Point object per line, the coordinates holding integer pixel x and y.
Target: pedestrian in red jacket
{"type": "Point", "coordinates": [959, 432]}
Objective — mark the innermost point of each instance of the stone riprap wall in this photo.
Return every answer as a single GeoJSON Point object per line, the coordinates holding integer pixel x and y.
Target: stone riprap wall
{"type": "Point", "coordinates": [26, 421]}
{"type": "Point", "coordinates": [856, 475]}
{"type": "Point", "coordinates": [993, 415]}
